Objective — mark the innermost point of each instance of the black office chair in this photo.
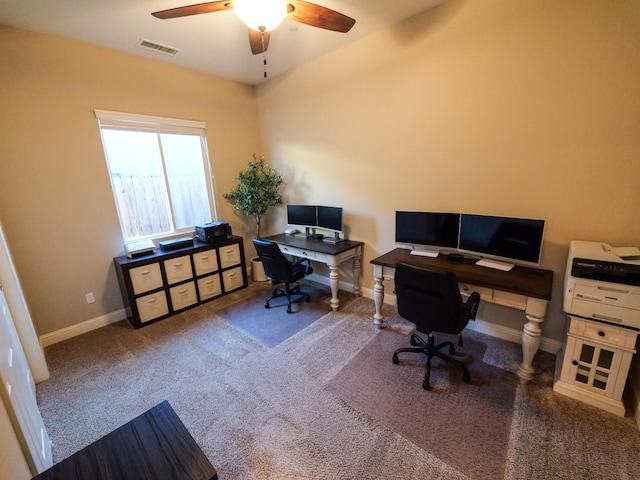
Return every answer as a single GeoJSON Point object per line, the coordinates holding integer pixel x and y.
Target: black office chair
{"type": "Point", "coordinates": [280, 270]}
{"type": "Point", "coordinates": [431, 299]}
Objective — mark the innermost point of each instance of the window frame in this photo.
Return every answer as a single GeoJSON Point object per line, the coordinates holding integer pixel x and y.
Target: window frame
{"type": "Point", "coordinates": [154, 124]}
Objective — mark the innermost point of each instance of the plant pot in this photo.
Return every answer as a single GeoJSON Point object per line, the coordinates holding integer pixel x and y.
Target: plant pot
{"type": "Point", "coordinates": [257, 270]}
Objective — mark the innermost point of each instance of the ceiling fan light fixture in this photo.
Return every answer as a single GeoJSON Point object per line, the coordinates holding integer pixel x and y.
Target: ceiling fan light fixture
{"type": "Point", "coordinates": [261, 15]}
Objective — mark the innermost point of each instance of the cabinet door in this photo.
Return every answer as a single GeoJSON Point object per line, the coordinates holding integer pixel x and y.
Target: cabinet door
{"type": "Point", "coordinates": [178, 269]}
{"type": "Point", "coordinates": [152, 306]}
{"type": "Point", "coordinates": [145, 278]}
{"type": "Point", "coordinates": [205, 262]}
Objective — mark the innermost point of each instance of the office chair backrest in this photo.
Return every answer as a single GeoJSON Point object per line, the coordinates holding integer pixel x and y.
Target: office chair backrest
{"type": "Point", "coordinates": [430, 298]}
{"type": "Point", "coordinates": [276, 266]}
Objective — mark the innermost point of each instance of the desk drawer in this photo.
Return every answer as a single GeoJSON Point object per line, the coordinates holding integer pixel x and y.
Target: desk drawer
{"type": "Point", "coordinates": [297, 252]}
{"type": "Point", "coordinates": [485, 293]}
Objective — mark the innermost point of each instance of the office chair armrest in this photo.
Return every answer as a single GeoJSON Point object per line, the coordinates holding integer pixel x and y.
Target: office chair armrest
{"type": "Point", "coordinates": [302, 260]}
{"type": "Point", "coordinates": [473, 302]}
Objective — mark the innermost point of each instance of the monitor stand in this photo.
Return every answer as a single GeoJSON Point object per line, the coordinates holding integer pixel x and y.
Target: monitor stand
{"type": "Point", "coordinates": [335, 239]}
{"type": "Point", "coordinates": [495, 264]}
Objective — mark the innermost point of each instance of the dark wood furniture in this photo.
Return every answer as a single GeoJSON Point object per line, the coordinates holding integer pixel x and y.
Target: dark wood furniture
{"type": "Point", "coordinates": [162, 284]}
{"type": "Point", "coordinates": [524, 288]}
{"type": "Point", "coordinates": [154, 446]}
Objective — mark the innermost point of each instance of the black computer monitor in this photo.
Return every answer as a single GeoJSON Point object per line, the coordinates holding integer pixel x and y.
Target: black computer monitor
{"type": "Point", "coordinates": [431, 229]}
{"type": "Point", "coordinates": [330, 218]}
{"type": "Point", "coordinates": [503, 238]}
{"type": "Point", "coordinates": [302, 215]}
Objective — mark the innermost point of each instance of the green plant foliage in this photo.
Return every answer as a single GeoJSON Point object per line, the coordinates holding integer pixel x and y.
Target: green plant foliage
{"type": "Point", "coordinates": [258, 189]}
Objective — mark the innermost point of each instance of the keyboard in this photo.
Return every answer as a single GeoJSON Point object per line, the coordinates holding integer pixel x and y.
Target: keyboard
{"type": "Point", "coordinates": [425, 253]}
{"type": "Point", "coordinates": [505, 267]}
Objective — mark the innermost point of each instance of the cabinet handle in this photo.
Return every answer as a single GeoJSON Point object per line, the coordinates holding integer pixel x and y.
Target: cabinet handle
{"type": "Point", "coordinates": [575, 362]}
{"type": "Point", "coordinates": [209, 282]}
{"type": "Point", "coordinates": [177, 265]}
{"type": "Point", "coordinates": [601, 333]}
{"type": "Point", "coordinates": [152, 300]}
{"type": "Point", "coordinates": [145, 272]}
{"type": "Point", "coordinates": [205, 257]}
{"type": "Point", "coordinates": [232, 274]}
{"type": "Point", "coordinates": [184, 290]}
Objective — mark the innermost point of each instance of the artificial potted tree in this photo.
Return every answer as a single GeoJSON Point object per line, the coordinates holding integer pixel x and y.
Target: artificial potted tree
{"type": "Point", "coordinates": [258, 190]}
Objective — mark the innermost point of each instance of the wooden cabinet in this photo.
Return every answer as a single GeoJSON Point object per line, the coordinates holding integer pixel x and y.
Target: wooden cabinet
{"type": "Point", "coordinates": [595, 363]}
{"type": "Point", "coordinates": [159, 285]}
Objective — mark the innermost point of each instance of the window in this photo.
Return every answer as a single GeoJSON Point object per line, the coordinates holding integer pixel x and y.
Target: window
{"type": "Point", "coordinates": [159, 172]}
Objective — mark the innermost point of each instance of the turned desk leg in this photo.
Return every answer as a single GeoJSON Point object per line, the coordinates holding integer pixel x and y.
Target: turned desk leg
{"type": "Point", "coordinates": [333, 279]}
{"type": "Point", "coordinates": [535, 313]}
{"type": "Point", "coordinates": [378, 295]}
{"type": "Point", "coordinates": [357, 272]}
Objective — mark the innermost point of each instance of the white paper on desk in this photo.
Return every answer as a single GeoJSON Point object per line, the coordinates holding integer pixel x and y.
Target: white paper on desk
{"type": "Point", "coordinates": [626, 252]}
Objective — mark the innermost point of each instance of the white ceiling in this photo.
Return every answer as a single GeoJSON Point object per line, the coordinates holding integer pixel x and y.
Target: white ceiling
{"type": "Point", "coordinates": [214, 42]}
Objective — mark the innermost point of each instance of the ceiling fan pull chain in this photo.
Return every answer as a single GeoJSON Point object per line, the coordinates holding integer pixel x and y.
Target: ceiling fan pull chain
{"type": "Point", "coordinates": [264, 56]}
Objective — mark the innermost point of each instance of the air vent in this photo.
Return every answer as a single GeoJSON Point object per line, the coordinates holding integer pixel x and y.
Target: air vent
{"type": "Point", "coordinates": [157, 47]}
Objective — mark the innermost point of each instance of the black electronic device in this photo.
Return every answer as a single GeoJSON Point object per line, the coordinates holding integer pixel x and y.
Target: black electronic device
{"type": "Point", "coordinates": [213, 232]}
{"type": "Point", "coordinates": [302, 215]}
{"type": "Point", "coordinates": [175, 244]}
{"type": "Point", "coordinates": [430, 229]}
{"type": "Point", "coordinates": [502, 238]}
{"type": "Point", "coordinates": [329, 218]}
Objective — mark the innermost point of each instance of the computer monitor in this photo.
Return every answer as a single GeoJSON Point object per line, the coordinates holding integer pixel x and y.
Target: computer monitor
{"type": "Point", "coordinates": [302, 215]}
{"type": "Point", "coordinates": [330, 218]}
{"type": "Point", "coordinates": [422, 230]}
{"type": "Point", "coordinates": [514, 240]}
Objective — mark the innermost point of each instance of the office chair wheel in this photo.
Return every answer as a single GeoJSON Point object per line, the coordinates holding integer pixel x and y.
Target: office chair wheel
{"type": "Point", "coordinates": [266, 305]}
{"type": "Point", "coordinates": [426, 385]}
{"type": "Point", "coordinates": [395, 360]}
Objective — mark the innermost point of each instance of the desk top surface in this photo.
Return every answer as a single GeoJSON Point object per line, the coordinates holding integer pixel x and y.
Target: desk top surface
{"type": "Point", "coordinates": [154, 446]}
{"type": "Point", "coordinates": [300, 241]}
{"type": "Point", "coordinates": [532, 282]}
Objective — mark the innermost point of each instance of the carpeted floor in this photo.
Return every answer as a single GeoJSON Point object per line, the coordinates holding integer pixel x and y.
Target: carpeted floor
{"type": "Point", "coordinates": [291, 412]}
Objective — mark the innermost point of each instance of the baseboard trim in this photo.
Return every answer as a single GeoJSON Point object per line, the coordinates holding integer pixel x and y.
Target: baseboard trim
{"type": "Point", "coordinates": [82, 327]}
{"type": "Point", "coordinates": [498, 331]}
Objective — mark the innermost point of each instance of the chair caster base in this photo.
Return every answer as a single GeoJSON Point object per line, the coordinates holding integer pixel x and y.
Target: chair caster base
{"type": "Point", "coordinates": [395, 360]}
{"type": "Point", "coordinates": [426, 385]}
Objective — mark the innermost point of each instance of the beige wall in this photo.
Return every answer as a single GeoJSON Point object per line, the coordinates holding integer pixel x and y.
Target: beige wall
{"type": "Point", "coordinates": [527, 108]}
{"type": "Point", "coordinates": [56, 203]}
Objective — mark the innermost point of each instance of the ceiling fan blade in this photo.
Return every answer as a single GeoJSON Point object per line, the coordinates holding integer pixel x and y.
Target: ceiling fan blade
{"type": "Point", "coordinates": [317, 16]}
{"type": "Point", "coordinates": [196, 9]}
{"type": "Point", "coordinates": [256, 41]}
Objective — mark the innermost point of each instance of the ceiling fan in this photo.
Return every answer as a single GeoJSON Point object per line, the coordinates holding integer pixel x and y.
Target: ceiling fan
{"type": "Point", "coordinates": [262, 16]}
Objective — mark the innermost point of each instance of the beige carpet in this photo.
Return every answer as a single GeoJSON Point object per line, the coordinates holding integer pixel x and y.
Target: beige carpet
{"type": "Point", "coordinates": [266, 413]}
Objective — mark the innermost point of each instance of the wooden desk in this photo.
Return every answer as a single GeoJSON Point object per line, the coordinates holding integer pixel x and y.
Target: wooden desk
{"type": "Point", "coordinates": [331, 254]}
{"type": "Point", "coordinates": [154, 446]}
{"type": "Point", "coordinates": [523, 288]}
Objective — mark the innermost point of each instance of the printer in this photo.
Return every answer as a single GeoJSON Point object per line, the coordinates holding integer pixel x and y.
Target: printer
{"type": "Point", "coordinates": [602, 283]}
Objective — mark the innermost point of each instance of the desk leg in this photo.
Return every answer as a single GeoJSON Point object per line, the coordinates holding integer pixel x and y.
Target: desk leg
{"type": "Point", "coordinates": [357, 272]}
{"type": "Point", "coordinates": [378, 294]}
{"type": "Point", "coordinates": [333, 279]}
{"type": "Point", "coordinates": [535, 313]}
